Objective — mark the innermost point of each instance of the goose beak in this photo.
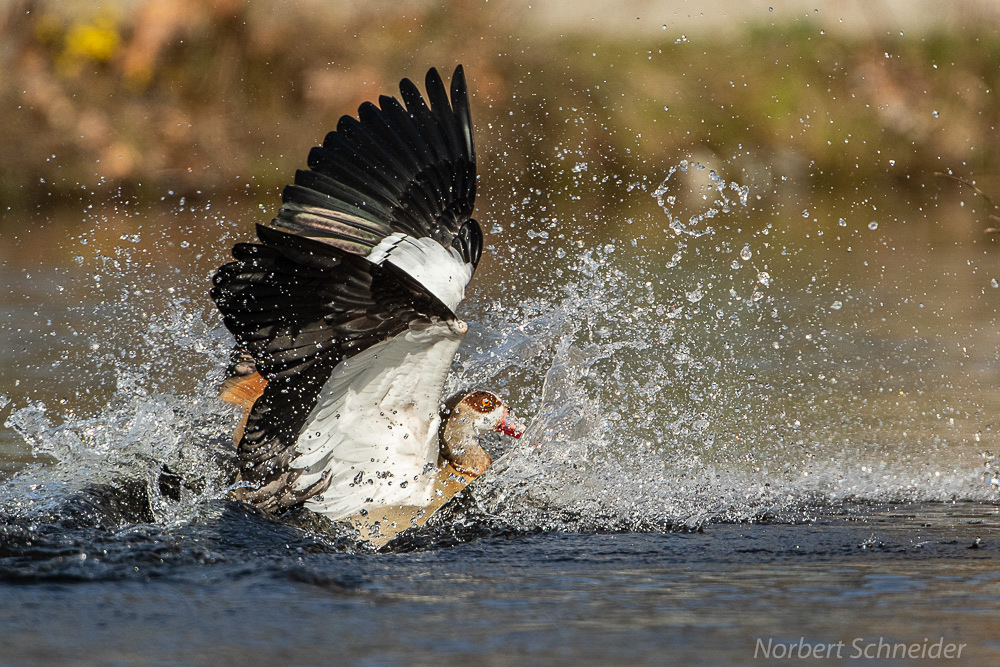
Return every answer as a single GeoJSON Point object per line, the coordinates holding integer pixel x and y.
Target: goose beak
{"type": "Point", "coordinates": [508, 425]}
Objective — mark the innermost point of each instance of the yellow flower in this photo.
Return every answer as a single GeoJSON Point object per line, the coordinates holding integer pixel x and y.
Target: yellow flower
{"type": "Point", "coordinates": [97, 41]}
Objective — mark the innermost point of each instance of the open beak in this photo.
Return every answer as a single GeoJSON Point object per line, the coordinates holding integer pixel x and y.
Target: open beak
{"type": "Point", "coordinates": [508, 425]}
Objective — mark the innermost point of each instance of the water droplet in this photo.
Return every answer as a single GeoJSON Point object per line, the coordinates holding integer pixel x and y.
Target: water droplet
{"type": "Point", "coordinates": [873, 225]}
{"type": "Point", "coordinates": [836, 305]}
{"type": "Point", "coordinates": [842, 222]}
{"type": "Point", "coordinates": [764, 278]}
{"type": "Point", "coordinates": [935, 114]}
{"type": "Point", "coordinates": [994, 283]}
{"type": "Point", "coordinates": [745, 254]}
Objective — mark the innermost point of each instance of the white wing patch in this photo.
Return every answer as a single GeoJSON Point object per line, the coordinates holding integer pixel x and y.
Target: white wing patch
{"type": "Point", "coordinates": [374, 429]}
{"type": "Point", "coordinates": [441, 270]}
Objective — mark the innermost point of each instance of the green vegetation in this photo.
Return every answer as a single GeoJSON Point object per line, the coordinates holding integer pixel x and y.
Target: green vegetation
{"type": "Point", "coordinates": [218, 97]}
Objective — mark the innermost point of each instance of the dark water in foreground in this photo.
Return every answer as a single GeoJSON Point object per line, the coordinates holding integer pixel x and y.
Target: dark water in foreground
{"type": "Point", "coordinates": [237, 588]}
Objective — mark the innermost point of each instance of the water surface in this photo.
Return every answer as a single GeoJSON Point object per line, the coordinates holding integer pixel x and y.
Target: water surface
{"type": "Point", "coordinates": [760, 419]}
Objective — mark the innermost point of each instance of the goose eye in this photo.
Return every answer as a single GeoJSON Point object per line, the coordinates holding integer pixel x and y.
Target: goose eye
{"type": "Point", "coordinates": [482, 402]}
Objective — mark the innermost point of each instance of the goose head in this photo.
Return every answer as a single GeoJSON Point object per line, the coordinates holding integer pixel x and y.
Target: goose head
{"type": "Point", "coordinates": [476, 413]}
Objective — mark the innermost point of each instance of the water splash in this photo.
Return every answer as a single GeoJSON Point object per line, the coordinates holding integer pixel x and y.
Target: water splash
{"type": "Point", "coordinates": [692, 377]}
{"type": "Point", "coordinates": [722, 195]}
{"type": "Point", "coordinates": [693, 398]}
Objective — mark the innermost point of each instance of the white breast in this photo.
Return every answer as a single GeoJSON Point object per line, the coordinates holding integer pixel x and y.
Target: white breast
{"type": "Point", "coordinates": [374, 428]}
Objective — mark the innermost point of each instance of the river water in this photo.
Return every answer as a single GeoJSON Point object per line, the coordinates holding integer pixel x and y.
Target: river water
{"type": "Point", "coordinates": [766, 426]}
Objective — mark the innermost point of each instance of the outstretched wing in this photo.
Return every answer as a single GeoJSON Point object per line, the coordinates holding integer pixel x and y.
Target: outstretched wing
{"type": "Point", "coordinates": [397, 185]}
{"type": "Point", "coordinates": [347, 304]}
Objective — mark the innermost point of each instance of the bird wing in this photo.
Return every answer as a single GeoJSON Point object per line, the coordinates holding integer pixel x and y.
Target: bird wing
{"type": "Point", "coordinates": [347, 305]}
{"type": "Point", "coordinates": [397, 185]}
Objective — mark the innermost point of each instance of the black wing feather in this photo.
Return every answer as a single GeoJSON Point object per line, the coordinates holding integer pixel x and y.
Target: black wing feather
{"type": "Point", "coordinates": [395, 168]}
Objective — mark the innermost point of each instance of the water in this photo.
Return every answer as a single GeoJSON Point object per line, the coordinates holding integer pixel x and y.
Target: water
{"type": "Point", "coordinates": [236, 587]}
{"type": "Point", "coordinates": [760, 417]}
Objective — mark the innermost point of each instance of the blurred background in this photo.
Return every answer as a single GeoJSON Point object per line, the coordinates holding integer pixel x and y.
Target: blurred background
{"type": "Point", "coordinates": [137, 97]}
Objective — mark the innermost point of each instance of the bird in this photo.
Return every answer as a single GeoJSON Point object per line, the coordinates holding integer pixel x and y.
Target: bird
{"type": "Point", "coordinates": [343, 313]}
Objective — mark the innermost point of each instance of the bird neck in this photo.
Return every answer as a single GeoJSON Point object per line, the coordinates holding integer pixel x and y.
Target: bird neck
{"type": "Point", "coordinates": [460, 446]}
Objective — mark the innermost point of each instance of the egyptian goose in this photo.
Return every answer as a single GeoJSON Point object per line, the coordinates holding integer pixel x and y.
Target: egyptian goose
{"type": "Point", "coordinates": [344, 317]}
